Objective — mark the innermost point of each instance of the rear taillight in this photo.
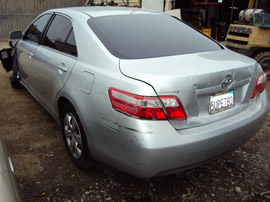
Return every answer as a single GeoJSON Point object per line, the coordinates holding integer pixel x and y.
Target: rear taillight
{"type": "Point", "coordinates": [147, 107]}
{"type": "Point", "coordinates": [260, 84]}
{"type": "Point", "coordinates": [174, 107]}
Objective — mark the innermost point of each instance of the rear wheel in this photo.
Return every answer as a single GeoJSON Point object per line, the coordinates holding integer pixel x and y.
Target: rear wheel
{"type": "Point", "coordinates": [263, 58]}
{"type": "Point", "coordinates": [74, 138]}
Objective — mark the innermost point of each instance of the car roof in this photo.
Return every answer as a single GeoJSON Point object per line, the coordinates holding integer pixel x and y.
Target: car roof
{"type": "Point", "coordinates": [96, 11]}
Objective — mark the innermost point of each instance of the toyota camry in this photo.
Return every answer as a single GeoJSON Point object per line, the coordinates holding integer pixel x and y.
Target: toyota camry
{"type": "Point", "coordinates": [138, 90]}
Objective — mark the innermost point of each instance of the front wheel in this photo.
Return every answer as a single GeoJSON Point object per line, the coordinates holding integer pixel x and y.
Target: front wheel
{"type": "Point", "coordinates": [74, 138]}
{"type": "Point", "coordinates": [15, 77]}
{"type": "Point", "coordinates": [263, 58]}
{"type": "Point", "coordinates": [15, 81]}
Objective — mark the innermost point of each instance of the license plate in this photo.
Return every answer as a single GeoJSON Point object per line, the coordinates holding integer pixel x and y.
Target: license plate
{"type": "Point", "coordinates": [221, 101]}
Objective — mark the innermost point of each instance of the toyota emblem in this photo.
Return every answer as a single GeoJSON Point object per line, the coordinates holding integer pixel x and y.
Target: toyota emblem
{"type": "Point", "coordinates": [226, 82]}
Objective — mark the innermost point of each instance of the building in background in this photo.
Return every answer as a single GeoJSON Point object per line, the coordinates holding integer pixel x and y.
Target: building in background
{"type": "Point", "coordinates": [213, 17]}
{"type": "Point", "coordinates": [129, 3]}
{"type": "Point", "coordinates": [17, 14]}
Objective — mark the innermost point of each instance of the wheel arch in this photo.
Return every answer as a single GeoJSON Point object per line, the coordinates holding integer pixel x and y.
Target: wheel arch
{"type": "Point", "coordinates": [62, 101]}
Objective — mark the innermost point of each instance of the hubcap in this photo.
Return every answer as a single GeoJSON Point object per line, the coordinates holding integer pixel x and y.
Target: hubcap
{"type": "Point", "coordinates": [73, 135]}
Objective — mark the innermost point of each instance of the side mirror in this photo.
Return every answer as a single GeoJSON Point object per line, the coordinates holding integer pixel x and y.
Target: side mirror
{"type": "Point", "coordinates": [14, 37]}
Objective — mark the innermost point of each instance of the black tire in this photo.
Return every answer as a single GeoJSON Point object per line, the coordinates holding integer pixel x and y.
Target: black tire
{"type": "Point", "coordinates": [84, 160]}
{"type": "Point", "coordinates": [15, 81]}
{"type": "Point", "coordinates": [15, 77]}
{"type": "Point", "coordinates": [263, 58]}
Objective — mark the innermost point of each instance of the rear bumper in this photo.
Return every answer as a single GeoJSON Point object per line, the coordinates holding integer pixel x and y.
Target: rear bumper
{"type": "Point", "coordinates": [148, 148]}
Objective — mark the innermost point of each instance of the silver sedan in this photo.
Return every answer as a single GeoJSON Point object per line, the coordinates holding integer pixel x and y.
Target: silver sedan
{"type": "Point", "coordinates": [138, 90]}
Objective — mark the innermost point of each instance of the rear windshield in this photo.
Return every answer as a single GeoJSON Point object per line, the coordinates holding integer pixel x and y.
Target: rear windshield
{"type": "Point", "coordinates": [146, 36]}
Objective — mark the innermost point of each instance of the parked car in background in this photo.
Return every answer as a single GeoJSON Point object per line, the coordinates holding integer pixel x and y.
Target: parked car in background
{"type": "Point", "coordinates": [138, 90]}
{"type": "Point", "coordinates": [8, 189]}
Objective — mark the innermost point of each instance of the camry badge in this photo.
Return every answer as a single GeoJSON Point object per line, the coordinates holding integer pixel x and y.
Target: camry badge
{"type": "Point", "coordinates": [226, 82]}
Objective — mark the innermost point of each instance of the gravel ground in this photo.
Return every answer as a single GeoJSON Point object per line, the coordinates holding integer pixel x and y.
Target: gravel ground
{"type": "Point", "coordinates": [44, 171]}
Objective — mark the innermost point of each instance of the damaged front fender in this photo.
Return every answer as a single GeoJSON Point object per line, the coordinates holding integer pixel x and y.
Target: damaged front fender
{"type": "Point", "coordinates": [6, 58]}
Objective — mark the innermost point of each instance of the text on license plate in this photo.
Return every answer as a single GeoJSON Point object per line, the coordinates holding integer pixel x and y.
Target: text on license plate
{"type": "Point", "coordinates": [221, 102]}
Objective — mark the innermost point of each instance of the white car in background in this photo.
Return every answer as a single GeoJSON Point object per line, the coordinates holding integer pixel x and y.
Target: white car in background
{"type": "Point", "coordinates": [8, 188]}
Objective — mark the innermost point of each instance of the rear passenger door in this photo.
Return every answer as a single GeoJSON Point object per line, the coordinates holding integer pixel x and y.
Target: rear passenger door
{"type": "Point", "coordinates": [54, 59]}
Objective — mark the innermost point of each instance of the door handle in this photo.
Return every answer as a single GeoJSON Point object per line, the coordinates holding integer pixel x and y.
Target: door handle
{"type": "Point", "coordinates": [62, 67]}
{"type": "Point", "coordinates": [30, 54]}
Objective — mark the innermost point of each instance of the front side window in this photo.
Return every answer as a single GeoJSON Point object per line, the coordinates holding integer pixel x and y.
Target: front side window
{"type": "Point", "coordinates": [34, 32]}
{"type": "Point", "coordinates": [58, 33]}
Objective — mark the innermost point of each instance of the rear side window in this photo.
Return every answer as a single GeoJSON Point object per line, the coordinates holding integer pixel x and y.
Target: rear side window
{"type": "Point", "coordinates": [34, 32]}
{"type": "Point", "coordinates": [140, 36]}
{"type": "Point", "coordinates": [70, 45]}
{"type": "Point", "coordinates": [58, 32]}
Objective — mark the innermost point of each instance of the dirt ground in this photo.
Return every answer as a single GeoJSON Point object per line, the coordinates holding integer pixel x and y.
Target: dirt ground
{"type": "Point", "coordinates": [44, 171]}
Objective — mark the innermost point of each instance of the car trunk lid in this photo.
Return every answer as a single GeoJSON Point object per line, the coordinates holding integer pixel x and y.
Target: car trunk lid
{"type": "Point", "coordinates": [194, 78]}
